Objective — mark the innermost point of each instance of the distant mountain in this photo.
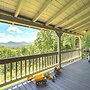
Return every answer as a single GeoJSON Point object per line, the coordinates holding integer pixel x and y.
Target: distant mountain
{"type": "Point", "coordinates": [15, 44]}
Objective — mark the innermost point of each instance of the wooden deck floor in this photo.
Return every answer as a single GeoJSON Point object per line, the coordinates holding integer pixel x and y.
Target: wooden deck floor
{"type": "Point", "coordinates": [73, 77]}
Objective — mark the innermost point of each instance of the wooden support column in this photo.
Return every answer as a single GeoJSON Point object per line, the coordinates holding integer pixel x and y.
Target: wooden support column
{"type": "Point", "coordinates": [59, 34]}
{"type": "Point", "coordinates": [80, 47]}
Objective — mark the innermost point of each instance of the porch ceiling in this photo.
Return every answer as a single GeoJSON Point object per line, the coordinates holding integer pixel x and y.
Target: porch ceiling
{"type": "Point", "coordinates": [70, 16]}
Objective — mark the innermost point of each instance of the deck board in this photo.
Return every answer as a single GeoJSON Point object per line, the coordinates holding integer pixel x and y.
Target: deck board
{"type": "Point", "coordinates": [27, 86]}
{"type": "Point", "coordinates": [73, 77]}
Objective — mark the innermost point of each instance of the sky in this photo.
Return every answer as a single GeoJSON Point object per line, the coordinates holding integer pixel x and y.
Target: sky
{"type": "Point", "coordinates": [16, 33]}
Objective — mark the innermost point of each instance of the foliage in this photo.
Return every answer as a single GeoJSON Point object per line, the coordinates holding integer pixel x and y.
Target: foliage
{"type": "Point", "coordinates": [68, 41]}
{"type": "Point", "coordinates": [46, 42]}
{"type": "Point", "coordinates": [86, 41]}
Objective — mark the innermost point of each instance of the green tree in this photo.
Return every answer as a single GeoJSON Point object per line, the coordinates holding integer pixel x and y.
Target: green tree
{"type": "Point", "coordinates": [86, 41]}
{"type": "Point", "coordinates": [68, 41]}
{"type": "Point", "coordinates": [46, 42]}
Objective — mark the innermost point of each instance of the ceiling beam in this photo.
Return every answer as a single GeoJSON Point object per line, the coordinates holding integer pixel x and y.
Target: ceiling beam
{"type": "Point", "coordinates": [42, 9]}
{"type": "Point", "coordinates": [79, 19]}
{"type": "Point", "coordinates": [65, 7]}
{"type": "Point", "coordinates": [20, 4]}
{"type": "Point", "coordinates": [75, 13]}
{"type": "Point", "coordinates": [81, 23]}
{"type": "Point", "coordinates": [21, 21]}
{"type": "Point", "coordinates": [4, 17]}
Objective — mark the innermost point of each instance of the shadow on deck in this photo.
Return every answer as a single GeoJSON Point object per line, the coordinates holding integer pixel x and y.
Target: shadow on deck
{"type": "Point", "coordinates": [73, 77]}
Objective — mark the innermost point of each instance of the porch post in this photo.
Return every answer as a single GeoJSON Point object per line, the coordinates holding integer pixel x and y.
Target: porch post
{"type": "Point", "coordinates": [80, 47]}
{"type": "Point", "coordinates": [59, 34]}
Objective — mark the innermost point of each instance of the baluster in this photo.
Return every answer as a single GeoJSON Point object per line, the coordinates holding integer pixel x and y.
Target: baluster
{"type": "Point", "coordinates": [10, 71]}
{"type": "Point", "coordinates": [39, 64]}
{"type": "Point", "coordinates": [33, 65]}
{"type": "Point", "coordinates": [21, 68]}
{"type": "Point", "coordinates": [16, 70]}
{"type": "Point", "coordinates": [29, 65]}
{"type": "Point", "coordinates": [42, 62]}
{"type": "Point", "coordinates": [5, 73]}
{"type": "Point", "coordinates": [45, 62]}
{"type": "Point", "coordinates": [25, 67]}
{"type": "Point", "coordinates": [52, 59]}
{"type": "Point", "coordinates": [56, 59]}
{"type": "Point", "coordinates": [36, 63]}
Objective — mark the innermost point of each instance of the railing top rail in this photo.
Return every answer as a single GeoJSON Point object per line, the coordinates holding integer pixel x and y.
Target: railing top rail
{"type": "Point", "coordinates": [15, 59]}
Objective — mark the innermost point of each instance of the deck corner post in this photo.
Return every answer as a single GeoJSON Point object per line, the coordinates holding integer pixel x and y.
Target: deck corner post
{"type": "Point", "coordinates": [59, 34]}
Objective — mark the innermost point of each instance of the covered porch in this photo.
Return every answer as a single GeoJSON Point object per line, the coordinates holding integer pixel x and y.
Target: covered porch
{"type": "Point", "coordinates": [60, 16]}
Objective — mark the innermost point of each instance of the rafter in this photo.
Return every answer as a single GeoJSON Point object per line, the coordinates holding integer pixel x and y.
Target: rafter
{"type": "Point", "coordinates": [79, 19]}
{"type": "Point", "coordinates": [82, 27]}
{"type": "Point", "coordinates": [72, 15]}
{"type": "Point", "coordinates": [79, 27]}
{"type": "Point", "coordinates": [20, 4]}
{"type": "Point", "coordinates": [81, 23]}
{"type": "Point", "coordinates": [88, 28]}
{"type": "Point", "coordinates": [85, 31]}
{"type": "Point", "coordinates": [60, 11]}
{"type": "Point", "coordinates": [41, 11]}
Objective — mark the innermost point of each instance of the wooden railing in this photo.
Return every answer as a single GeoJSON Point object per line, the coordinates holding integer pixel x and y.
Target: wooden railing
{"type": "Point", "coordinates": [70, 56]}
{"type": "Point", "coordinates": [13, 69]}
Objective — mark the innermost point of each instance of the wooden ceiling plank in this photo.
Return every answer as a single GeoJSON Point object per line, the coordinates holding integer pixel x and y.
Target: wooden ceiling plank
{"type": "Point", "coordinates": [20, 4]}
{"type": "Point", "coordinates": [41, 11]}
{"type": "Point", "coordinates": [72, 15]}
{"type": "Point", "coordinates": [60, 11]}
{"type": "Point", "coordinates": [77, 20]}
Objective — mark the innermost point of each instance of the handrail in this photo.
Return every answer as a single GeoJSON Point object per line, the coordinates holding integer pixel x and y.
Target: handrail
{"type": "Point", "coordinates": [15, 59]}
{"type": "Point", "coordinates": [8, 60]}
